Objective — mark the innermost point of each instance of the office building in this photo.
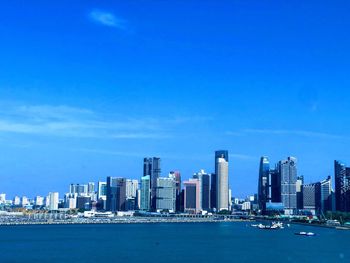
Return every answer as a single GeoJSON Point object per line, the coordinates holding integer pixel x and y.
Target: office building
{"type": "Point", "coordinates": [102, 191]}
{"type": "Point", "coordinates": [2, 198]}
{"type": "Point", "coordinates": [131, 188]}
{"type": "Point", "coordinates": [312, 197]}
{"type": "Point", "coordinates": [39, 201]}
{"type": "Point", "coordinates": [326, 195]}
{"type": "Point", "coordinates": [299, 189]}
{"type": "Point", "coordinates": [176, 176]}
{"type": "Point", "coordinates": [342, 187]}
{"type": "Point", "coordinates": [79, 189]}
{"type": "Point", "coordinates": [192, 196]}
{"type": "Point", "coordinates": [24, 201]}
{"type": "Point", "coordinates": [213, 191]}
{"type": "Point", "coordinates": [151, 167]}
{"type": "Point", "coordinates": [204, 186]}
{"type": "Point", "coordinates": [264, 190]}
{"type": "Point", "coordinates": [287, 170]}
{"type": "Point", "coordinates": [116, 194]}
{"type": "Point", "coordinates": [16, 201]}
{"type": "Point", "coordinates": [222, 180]}
{"type": "Point", "coordinates": [70, 201]}
{"type": "Point", "coordinates": [53, 201]}
{"type": "Point", "coordinates": [145, 198]}
{"type": "Point", "coordinates": [166, 194]}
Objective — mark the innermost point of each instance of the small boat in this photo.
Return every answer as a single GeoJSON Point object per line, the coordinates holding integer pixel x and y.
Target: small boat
{"type": "Point", "coordinates": [307, 234]}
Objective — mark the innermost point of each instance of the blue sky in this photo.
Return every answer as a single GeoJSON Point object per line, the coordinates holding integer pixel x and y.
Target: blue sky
{"type": "Point", "coordinates": [88, 88]}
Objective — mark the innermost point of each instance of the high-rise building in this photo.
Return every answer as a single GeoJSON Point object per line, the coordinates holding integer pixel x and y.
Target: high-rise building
{"type": "Point", "coordinates": [264, 190]}
{"type": "Point", "coordinates": [222, 180]}
{"type": "Point", "coordinates": [213, 191]}
{"type": "Point", "coordinates": [145, 199]}
{"type": "Point", "coordinates": [79, 189]}
{"type": "Point", "coordinates": [204, 182]}
{"type": "Point", "coordinates": [312, 197]}
{"type": "Point", "coordinates": [192, 196]}
{"type": "Point", "coordinates": [299, 190]}
{"type": "Point", "coordinates": [39, 201]}
{"type": "Point", "coordinates": [166, 194]}
{"type": "Point", "coordinates": [326, 194]}
{"type": "Point", "coordinates": [176, 176]}
{"type": "Point", "coordinates": [53, 201]}
{"type": "Point", "coordinates": [24, 201]}
{"type": "Point", "coordinates": [287, 170]}
{"type": "Point", "coordinates": [131, 188]}
{"type": "Point", "coordinates": [70, 201]}
{"type": "Point", "coordinates": [2, 198]}
{"type": "Point", "coordinates": [342, 186]}
{"type": "Point", "coordinates": [116, 194]}
{"type": "Point", "coordinates": [102, 191]}
{"type": "Point", "coordinates": [151, 167]}
{"type": "Point", "coordinates": [16, 201]}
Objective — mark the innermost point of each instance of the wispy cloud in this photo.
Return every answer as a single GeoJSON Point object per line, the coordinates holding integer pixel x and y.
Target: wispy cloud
{"type": "Point", "coordinates": [302, 133]}
{"type": "Point", "coordinates": [107, 19]}
{"type": "Point", "coordinates": [67, 121]}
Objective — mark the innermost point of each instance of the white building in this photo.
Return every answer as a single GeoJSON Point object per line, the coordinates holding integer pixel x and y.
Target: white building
{"type": "Point", "coordinates": [131, 188]}
{"type": "Point", "coordinates": [39, 201]}
{"type": "Point", "coordinates": [53, 201]}
{"type": "Point", "coordinates": [246, 206]}
{"type": "Point", "coordinates": [16, 201]}
{"type": "Point", "coordinates": [166, 194]}
{"type": "Point", "coordinates": [222, 185]}
{"type": "Point", "coordinates": [102, 191]}
{"type": "Point", "coordinates": [2, 198]}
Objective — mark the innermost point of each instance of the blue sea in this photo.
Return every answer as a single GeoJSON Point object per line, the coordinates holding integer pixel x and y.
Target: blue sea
{"type": "Point", "coordinates": [207, 242]}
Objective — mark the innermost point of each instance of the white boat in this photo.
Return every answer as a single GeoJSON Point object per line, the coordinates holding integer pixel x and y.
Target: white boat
{"type": "Point", "coordinates": [308, 234]}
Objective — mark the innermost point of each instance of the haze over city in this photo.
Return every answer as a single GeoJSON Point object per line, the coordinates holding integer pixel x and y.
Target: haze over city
{"type": "Point", "coordinates": [88, 89]}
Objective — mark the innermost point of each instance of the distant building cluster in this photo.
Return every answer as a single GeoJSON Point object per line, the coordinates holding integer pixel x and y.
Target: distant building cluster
{"type": "Point", "coordinates": [281, 191]}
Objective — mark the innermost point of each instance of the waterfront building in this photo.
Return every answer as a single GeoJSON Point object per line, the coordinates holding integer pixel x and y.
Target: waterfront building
{"type": "Point", "coordinates": [192, 196]}
{"type": "Point", "coordinates": [138, 199]}
{"type": "Point", "coordinates": [275, 187]}
{"type": "Point", "coordinates": [312, 197]}
{"type": "Point", "coordinates": [91, 189]}
{"type": "Point", "coordinates": [2, 198]}
{"type": "Point", "coordinates": [83, 202]}
{"type": "Point", "coordinates": [145, 203]}
{"type": "Point", "coordinates": [39, 201]}
{"type": "Point", "coordinates": [151, 167]}
{"type": "Point", "coordinates": [24, 201]}
{"type": "Point", "coordinates": [213, 191]}
{"type": "Point", "coordinates": [16, 201]}
{"type": "Point", "coordinates": [342, 186]}
{"type": "Point", "coordinates": [131, 188]}
{"type": "Point", "coordinates": [166, 194]}
{"type": "Point", "coordinates": [299, 189]}
{"type": "Point", "coordinates": [176, 176]}
{"type": "Point", "coordinates": [230, 199]}
{"type": "Point", "coordinates": [79, 189]}
{"type": "Point", "coordinates": [116, 194]}
{"type": "Point", "coordinates": [287, 170]}
{"type": "Point", "coordinates": [102, 191]}
{"type": "Point", "coordinates": [222, 180]}
{"type": "Point", "coordinates": [264, 191]}
{"type": "Point", "coordinates": [53, 201]}
{"type": "Point", "coordinates": [326, 194]}
{"type": "Point", "coordinates": [70, 201]}
{"type": "Point", "coordinates": [204, 186]}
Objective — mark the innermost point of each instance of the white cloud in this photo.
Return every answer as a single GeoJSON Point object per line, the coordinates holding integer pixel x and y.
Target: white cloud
{"type": "Point", "coordinates": [67, 121]}
{"type": "Point", "coordinates": [107, 19]}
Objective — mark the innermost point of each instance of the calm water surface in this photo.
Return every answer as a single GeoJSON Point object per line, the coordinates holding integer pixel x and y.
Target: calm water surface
{"type": "Point", "coordinates": [222, 242]}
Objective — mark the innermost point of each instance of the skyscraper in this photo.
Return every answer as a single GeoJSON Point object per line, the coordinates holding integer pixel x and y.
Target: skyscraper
{"type": "Point", "coordinates": [151, 167]}
{"type": "Point", "coordinates": [145, 199]}
{"type": "Point", "coordinates": [264, 194]}
{"type": "Point", "coordinates": [213, 191]}
{"type": "Point", "coordinates": [116, 194]}
{"type": "Point", "coordinates": [131, 188]}
{"type": "Point", "coordinates": [299, 189]}
{"type": "Point", "coordinates": [191, 196]}
{"type": "Point", "coordinates": [166, 194]}
{"type": "Point", "coordinates": [287, 170]}
{"type": "Point", "coordinates": [53, 203]}
{"type": "Point", "coordinates": [222, 180]}
{"type": "Point", "coordinates": [326, 194]}
{"type": "Point", "coordinates": [204, 182]}
{"type": "Point", "coordinates": [102, 191]}
{"type": "Point", "coordinates": [177, 178]}
{"type": "Point", "coordinates": [342, 186]}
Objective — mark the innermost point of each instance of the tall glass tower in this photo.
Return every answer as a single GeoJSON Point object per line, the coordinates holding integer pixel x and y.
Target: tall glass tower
{"type": "Point", "coordinates": [151, 167]}
{"type": "Point", "coordinates": [264, 193]}
{"type": "Point", "coordinates": [287, 170]}
{"type": "Point", "coordinates": [342, 187]}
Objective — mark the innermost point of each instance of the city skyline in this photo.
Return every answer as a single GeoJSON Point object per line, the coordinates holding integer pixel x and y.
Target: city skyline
{"type": "Point", "coordinates": [89, 101]}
